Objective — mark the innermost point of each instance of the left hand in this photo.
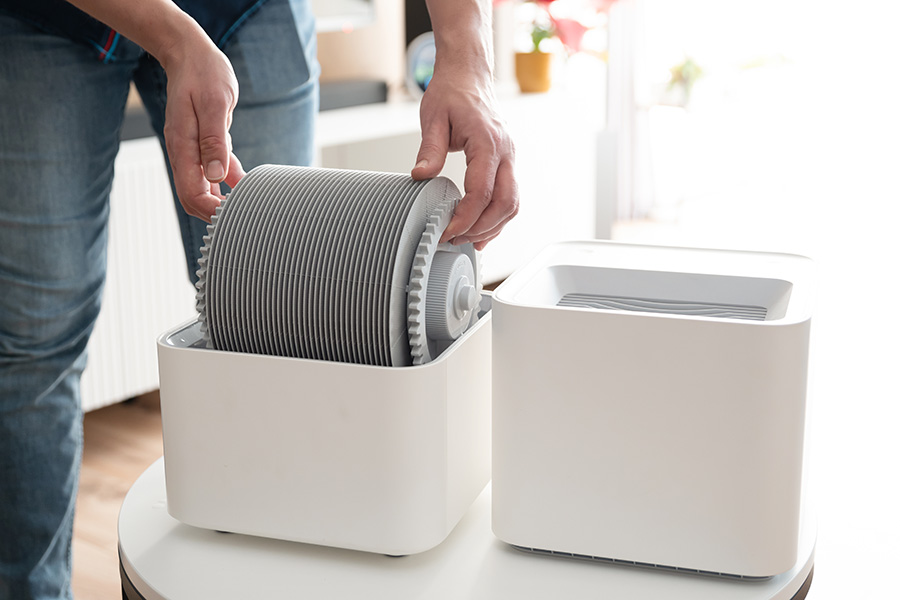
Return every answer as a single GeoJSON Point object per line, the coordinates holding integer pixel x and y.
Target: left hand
{"type": "Point", "coordinates": [458, 113]}
{"type": "Point", "coordinates": [202, 94]}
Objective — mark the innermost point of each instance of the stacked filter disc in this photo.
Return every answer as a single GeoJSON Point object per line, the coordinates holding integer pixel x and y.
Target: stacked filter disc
{"type": "Point", "coordinates": [335, 265]}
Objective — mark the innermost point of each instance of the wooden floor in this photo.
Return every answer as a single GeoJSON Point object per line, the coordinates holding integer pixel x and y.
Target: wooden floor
{"type": "Point", "coordinates": [120, 442]}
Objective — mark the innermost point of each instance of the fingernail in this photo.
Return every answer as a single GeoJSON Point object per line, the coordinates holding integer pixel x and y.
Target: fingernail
{"type": "Point", "coordinates": [459, 241]}
{"type": "Point", "coordinates": [448, 234]}
{"type": "Point", "coordinates": [421, 164]}
{"type": "Point", "coordinates": [215, 171]}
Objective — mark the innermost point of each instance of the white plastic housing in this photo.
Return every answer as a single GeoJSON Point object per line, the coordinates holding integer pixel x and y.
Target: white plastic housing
{"type": "Point", "coordinates": [381, 459]}
{"type": "Point", "coordinates": [661, 439]}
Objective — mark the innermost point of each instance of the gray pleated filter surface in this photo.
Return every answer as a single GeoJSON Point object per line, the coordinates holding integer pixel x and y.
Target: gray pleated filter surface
{"type": "Point", "coordinates": [315, 263]}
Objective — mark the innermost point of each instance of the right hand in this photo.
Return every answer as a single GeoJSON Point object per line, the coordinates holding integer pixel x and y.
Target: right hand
{"type": "Point", "coordinates": [458, 113]}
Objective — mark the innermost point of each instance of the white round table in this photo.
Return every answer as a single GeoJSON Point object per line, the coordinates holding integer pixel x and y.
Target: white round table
{"type": "Point", "coordinates": [162, 558]}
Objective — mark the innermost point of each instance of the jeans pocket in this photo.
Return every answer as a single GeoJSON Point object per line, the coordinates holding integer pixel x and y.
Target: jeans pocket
{"type": "Point", "coordinates": [273, 53]}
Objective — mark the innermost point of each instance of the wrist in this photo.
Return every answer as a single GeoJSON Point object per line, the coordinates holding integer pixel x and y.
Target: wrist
{"type": "Point", "coordinates": [474, 66]}
{"type": "Point", "coordinates": [463, 36]}
{"type": "Point", "coordinates": [471, 65]}
{"type": "Point", "coordinates": [177, 37]}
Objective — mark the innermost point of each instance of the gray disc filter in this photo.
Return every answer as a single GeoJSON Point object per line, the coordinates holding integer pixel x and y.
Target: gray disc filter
{"type": "Point", "coordinates": [336, 265]}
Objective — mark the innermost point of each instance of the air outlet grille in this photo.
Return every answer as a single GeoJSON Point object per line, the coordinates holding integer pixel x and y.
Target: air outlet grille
{"type": "Point", "coordinates": [632, 563]}
{"type": "Point", "coordinates": [670, 307]}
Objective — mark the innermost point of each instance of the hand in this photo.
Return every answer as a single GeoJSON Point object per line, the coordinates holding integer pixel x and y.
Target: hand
{"type": "Point", "coordinates": [202, 93]}
{"type": "Point", "coordinates": [457, 113]}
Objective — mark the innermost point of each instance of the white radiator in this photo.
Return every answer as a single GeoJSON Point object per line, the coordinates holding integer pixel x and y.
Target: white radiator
{"type": "Point", "coordinates": [147, 287]}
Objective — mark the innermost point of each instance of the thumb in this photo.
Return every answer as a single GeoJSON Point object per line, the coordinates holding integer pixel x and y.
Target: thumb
{"type": "Point", "coordinates": [212, 130]}
{"type": "Point", "coordinates": [432, 152]}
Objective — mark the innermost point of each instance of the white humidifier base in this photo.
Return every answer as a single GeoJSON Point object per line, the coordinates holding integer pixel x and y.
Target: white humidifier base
{"type": "Point", "coordinates": [379, 459]}
{"type": "Point", "coordinates": [649, 582]}
{"type": "Point", "coordinates": [619, 578]}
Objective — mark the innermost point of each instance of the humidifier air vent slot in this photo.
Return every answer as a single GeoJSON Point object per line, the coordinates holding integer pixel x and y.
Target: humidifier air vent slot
{"type": "Point", "coordinates": [670, 307]}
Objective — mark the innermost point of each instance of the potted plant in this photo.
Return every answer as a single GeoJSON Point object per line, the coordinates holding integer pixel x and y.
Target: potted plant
{"type": "Point", "coordinates": [553, 26]}
{"type": "Point", "coordinates": [533, 68]}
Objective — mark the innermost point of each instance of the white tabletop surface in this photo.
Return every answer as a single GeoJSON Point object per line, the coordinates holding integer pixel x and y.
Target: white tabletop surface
{"type": "Point", "coordinates": [167, 559]}
{"type": "Point", "coordinates": [401, 115]}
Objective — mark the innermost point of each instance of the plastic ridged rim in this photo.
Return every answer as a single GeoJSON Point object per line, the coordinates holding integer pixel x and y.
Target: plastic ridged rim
{"type": "Point", "coordinates": [201, 273]}
{"type": "Point", "coordinates": [423, 348]}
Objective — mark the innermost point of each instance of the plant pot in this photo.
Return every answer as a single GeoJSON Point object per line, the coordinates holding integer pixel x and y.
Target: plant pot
{"type": "Point", "coordinates": [533, 71]}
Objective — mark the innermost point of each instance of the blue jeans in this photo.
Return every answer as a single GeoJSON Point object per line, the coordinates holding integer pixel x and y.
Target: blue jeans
{"type": "Point", "coordinates": [61, 112]}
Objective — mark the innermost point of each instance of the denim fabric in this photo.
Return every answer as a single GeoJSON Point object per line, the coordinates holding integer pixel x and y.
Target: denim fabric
{"type": "Point", "coordinates": [219, 19]}
{"type": "Point", "coordinates": [61, 113]}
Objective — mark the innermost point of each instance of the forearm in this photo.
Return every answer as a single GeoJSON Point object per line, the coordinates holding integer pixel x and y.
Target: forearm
{"type": "Point", "coordinates": [463, 34]}
{"type": "Point", "coordinates": [158, 26]}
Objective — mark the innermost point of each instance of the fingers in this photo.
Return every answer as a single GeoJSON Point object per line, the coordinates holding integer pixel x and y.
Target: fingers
{"type": "Point", "coordinates": [479, 188]}
{"type": "Point", "coordinates": [483, 243]}
{"type": "Point", "coordinates": [197, 194]}
{"type": "Point", "coordinates": [193, 189]}
{"type": "Point", "coordinates": [497, 221]}
{"type": "Point", "coordinates": [433, 150]}
{"type": "Point", "coordinates": [503, 206]}
{"type": "Point", "coordinates": [203, 206]}
{"type": "Point", "coordinates": [483, 239]}
{"type": "Point", "coordinates": [235, 171]}
{"type": "Point", "coordinates": [491, 197]}
{"type": "Point", "coordinates": [213, 111]}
